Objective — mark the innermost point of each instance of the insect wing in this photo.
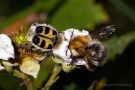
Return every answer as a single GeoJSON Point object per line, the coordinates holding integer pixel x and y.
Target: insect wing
{"type": "Point", "coordinates": [103, 32]}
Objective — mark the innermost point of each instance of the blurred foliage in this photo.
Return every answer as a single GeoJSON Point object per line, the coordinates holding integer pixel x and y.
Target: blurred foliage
{"type": "Point", "coordinates": [64, 14]}
{"type": "Point", "coordinates": [127, 10]}
{"type": "Point", "coordinates": [117, 44]}
{"type": "Point", "coordinates": [71, 86]}
{"type": "Point", "coordinates": [78, 14]}
{"type": "Point", "coordinates": [9, 82]}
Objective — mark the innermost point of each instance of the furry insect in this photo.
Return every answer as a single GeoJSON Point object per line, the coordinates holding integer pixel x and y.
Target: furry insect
{"type": "Point", "coordinates": [89, 48]}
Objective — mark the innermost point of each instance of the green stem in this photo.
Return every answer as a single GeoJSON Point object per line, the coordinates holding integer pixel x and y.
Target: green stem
{"type": "Point", "coordinates": [29, 84]}
{"type": "Point", "coordinates": [28, 81]}
{"type": "Point", "coordinates": [53, 77]}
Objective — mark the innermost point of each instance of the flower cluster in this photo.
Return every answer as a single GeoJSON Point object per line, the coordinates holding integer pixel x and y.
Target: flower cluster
{"type": "Point", "coordinates": [16, 51]}
{"type": "Point", "coordinates": [28, 61]}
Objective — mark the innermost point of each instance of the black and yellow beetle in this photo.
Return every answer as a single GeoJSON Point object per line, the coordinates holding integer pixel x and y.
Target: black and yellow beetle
{"type": "Point", "coordinates": [43, 36]}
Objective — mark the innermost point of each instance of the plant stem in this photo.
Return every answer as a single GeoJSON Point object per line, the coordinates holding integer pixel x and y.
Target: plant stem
{"type": "Point", "coordinates": [28, 81]}
{"type": "Point", "coordinates": [29, 84]}
{"type": "Point", "coordinates": [53, 77]}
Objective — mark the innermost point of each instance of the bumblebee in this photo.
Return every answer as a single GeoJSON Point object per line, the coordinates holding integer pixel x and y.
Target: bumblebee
{"type": "Point", "coordinates": [43, 37]}
{"type": "Point", "coordinates": [89, 48]}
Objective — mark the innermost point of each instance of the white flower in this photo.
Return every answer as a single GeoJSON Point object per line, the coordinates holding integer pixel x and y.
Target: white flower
{"type": "Point", "coordinates": [71, 33]}
{"type": "Point", "coordinates": [64, 52]}
{"type": "Point", "coordinates": [6, 47]}
{"type": "Point", "coordinates": [30, 66]}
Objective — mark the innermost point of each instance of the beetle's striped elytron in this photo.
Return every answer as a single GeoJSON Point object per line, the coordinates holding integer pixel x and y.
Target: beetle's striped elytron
{"type": "Point", "coordinates": [43, 36]}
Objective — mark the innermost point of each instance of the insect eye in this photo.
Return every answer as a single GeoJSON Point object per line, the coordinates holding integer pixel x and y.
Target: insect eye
{"type": "Point", "coordinates": [36, 40]}
{"type": "Point", "coordinates": [39, 29]}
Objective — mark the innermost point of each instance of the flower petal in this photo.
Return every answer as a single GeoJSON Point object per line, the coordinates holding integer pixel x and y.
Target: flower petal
{"type": "Point", "coordinates": [30, 66]}
{"type": "Point", "coordinates": [63, 52]}
{"type": "Point", "coordinates": [71, 33]}
{"type": "Point", "coordinates": [6, 47]}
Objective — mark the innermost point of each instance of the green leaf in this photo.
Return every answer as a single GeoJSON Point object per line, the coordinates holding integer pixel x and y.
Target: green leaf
{"type": "Point", "coordinates": [117, 44]}
{"type": "Point", "coordinates": [78, 14]}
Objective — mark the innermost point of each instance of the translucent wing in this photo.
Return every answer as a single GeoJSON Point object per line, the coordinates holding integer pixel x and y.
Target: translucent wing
{"type": "Point", "coordinates": [103, 32]}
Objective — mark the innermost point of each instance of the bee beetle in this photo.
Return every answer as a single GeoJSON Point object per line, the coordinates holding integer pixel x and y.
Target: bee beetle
{"type": "Point", "coordinates": [43, 37]}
